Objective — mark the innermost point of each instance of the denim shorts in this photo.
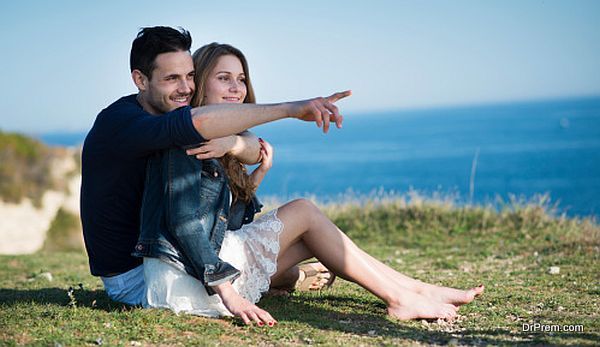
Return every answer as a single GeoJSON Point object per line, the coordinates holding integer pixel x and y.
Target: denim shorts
{"type": "Point", "coordinates": [128, 287]}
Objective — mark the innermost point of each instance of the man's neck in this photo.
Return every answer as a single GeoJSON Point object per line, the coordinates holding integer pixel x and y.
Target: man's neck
{"type": "Point", "coordinates": [146, 105]}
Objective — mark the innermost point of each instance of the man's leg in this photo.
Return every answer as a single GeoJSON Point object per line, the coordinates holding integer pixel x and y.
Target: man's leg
{"type": "Point", "coordinates": [128, 287]}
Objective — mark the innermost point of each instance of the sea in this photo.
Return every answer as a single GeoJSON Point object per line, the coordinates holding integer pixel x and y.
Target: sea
{"type": "Point", "coordinates": [543, 151]}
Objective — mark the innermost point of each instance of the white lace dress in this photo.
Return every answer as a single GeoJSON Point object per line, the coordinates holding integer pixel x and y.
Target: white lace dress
{"type": "Point", "coordinates": [253, 250]}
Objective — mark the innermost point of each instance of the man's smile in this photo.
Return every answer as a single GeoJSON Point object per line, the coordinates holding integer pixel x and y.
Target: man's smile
{"type": "Point", "coordinates": [181, 99]}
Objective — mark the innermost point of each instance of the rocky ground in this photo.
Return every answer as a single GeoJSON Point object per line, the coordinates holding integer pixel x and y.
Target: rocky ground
{"type": "Point", "coordinates": [23, 226]}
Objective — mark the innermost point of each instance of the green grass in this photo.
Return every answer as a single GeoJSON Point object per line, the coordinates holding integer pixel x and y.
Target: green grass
{"type": "Point", "coordinates": [509, 251]}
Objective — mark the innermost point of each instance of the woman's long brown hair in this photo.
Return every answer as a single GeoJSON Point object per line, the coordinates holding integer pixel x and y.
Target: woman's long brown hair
{"type": "Point", "coordinates": [205, 60]}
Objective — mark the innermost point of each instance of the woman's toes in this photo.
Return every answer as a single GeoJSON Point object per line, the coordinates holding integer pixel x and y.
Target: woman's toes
{"type": "Point", "coordinates": [451, 313]}
{"type": "Point", "coordinates": [452, 308]}
{"type": "Point", "coordinates": [321, 281]}
{"type": "Point", "coordinates": [473, 292]}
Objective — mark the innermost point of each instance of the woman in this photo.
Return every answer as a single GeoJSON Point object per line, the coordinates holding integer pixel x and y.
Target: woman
{"type": "Point", "coordinates": [222, 77]}
{"type": "Point", "coordinates": [264, 250]}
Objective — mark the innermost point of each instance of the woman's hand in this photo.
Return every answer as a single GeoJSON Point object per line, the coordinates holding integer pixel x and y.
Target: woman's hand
{"type": "Point", "coordinates": [266, 154]}
{"type": "Point", "coordinates": [215, 148]}
{"type": "Point", "coordinates": [243, 308]}
{"type": "Point", "coordinates": [266, 157]}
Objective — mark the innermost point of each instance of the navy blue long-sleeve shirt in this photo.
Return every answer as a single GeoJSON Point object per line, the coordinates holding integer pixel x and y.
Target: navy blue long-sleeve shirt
{"type": "Point", "coordinates": [114, 159]}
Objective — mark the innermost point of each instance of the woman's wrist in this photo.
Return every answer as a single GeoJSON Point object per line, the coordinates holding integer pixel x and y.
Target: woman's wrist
{"type": "Point", "coordinates": [223, 289]}
{"type": "Point", "coordinates": [227, 294]}
{"type": "Point", "coordinates": [236, 145]}
{"type": "Point", "coordinates": [245, 148]}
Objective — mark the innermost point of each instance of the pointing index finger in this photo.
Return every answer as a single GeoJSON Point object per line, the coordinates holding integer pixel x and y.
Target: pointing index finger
{"type": "Point", "coordinates": [339, 95]}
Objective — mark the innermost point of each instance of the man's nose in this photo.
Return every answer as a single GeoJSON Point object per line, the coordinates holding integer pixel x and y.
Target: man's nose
{"type": "Point", "coordinates": [185, 86]}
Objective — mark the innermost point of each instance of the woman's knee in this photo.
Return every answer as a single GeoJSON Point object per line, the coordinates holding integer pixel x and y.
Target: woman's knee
{"type": "Point", "coordinates": [298, 213]}
{"type": "Point", "coordinates": [304, 205]}
{"type": "Point", "coordinates": [307, 211]}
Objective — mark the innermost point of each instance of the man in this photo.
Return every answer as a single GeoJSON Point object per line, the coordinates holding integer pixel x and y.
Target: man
{"type": "Point", "coordinates": [128, 131]}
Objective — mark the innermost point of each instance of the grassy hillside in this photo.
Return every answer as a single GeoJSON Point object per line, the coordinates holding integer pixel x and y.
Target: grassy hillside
{"type": "Point", "coordinates": [25, 168]}
{"type": "Point", "coordinates": [537, 269]}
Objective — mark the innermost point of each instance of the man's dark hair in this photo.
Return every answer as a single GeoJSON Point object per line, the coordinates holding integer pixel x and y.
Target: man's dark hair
{"type": "Point", "coordinates": [153, 41]}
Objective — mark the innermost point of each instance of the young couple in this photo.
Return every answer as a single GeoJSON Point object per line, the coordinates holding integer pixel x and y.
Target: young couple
{"type": "Point", "coordinates": [168, 209]}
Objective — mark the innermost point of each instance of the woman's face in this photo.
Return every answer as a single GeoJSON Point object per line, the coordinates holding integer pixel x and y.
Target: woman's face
{"type": "Point", "coordinates": [226, 83]}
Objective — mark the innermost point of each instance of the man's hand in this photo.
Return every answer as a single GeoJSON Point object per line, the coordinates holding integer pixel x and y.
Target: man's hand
{"type": "Point", "coordinates": [243, 308]}
{"type": "Point", "coordinates": [243, 146]}
{"type": "Point", "coordinates": [320, 110]}
{"type": "Point", "coordinates": [215, 148]}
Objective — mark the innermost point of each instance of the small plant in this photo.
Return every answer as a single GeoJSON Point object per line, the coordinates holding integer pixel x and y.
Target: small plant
{"type": "Point", "coordinates": [71, 294]}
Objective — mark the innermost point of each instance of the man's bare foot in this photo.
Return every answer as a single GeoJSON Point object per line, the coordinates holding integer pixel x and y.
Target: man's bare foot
{"type": "Point", "coordinates": [420, 307]}
{"type": "Point", "coordinates": [450, 295]}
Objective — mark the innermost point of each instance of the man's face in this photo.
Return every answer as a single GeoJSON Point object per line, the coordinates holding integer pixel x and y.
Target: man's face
{"type": "Point", "coordinates": [171, 85]}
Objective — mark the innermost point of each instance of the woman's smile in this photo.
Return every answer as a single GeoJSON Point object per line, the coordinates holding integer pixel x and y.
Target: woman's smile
{"type": "Point", "coordinates": [234, 99]}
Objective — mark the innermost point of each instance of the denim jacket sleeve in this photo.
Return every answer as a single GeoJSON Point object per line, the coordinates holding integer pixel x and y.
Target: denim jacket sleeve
{"type": "Point", "coordinates": [242, 212]}
{"type": "Point", "coordinates": [196, 215]}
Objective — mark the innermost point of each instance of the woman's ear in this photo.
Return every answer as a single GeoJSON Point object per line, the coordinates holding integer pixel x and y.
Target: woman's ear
{"type": "Point", "coordinates": [139, 79]}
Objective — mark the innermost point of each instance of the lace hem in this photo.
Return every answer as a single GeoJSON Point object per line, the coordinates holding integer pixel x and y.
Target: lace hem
{"type": "Point", "coordinates": [253, 250]}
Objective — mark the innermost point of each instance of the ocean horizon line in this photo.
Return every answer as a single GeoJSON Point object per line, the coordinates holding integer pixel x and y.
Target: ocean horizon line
{"type": "Point", "coordinates": [522, 148]}
{"type": "Point", "coordinates": [480, 105]}
{"type": "Point", "coordinates": [41, 134]}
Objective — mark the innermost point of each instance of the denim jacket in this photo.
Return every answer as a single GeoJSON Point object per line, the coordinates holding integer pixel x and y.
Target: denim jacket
{"type": "Point", "coordinates": [185, 212]}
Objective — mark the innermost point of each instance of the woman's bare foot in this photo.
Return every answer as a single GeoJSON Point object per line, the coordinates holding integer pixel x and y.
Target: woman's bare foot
{"type": "Point", "coordinates": [304, 277]}
{"type": "Point", "coordinates": [278, 292]}
{"type": "Point", "coordinates": [314, 276]}
{"type": "Point", "coordinates": [415, 306]}
{"type": "Point", "coordinates": [450, 295]}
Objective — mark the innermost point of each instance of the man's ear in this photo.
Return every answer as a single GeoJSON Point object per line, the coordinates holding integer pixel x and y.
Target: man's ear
{"type": "Point", "coordinates": [140, 80]}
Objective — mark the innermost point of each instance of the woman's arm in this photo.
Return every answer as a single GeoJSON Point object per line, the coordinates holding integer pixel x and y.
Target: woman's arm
{"type": "Point", "coordinates": [244, 147]}
{"type": "Point", "coordinates": [266, 152]}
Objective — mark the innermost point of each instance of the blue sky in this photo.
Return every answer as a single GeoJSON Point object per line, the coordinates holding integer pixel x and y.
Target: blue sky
{"type": "Point", "coordinates": [63, 61]}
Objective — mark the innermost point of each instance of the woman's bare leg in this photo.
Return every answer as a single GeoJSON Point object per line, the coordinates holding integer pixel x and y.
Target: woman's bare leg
{"type": "Point", "coordinates": [287, 265]}
{"type": "Point", "coordinates": [438, 293]}
{"type": "Point", "coordinates": [288, 271]}
{"type": "Point", "coordinates": [287, 275]}
{"type": "Point", "coordinates": [303, 221]}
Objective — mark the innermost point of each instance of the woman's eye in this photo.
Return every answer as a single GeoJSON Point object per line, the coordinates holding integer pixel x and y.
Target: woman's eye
{"type": "Point", "coordinates": [223, 78]}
